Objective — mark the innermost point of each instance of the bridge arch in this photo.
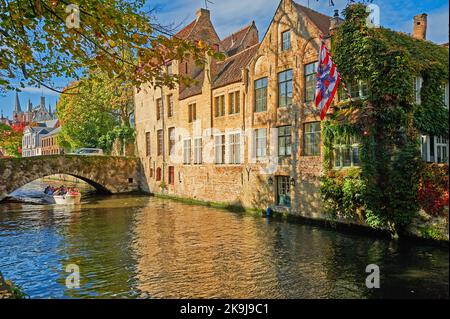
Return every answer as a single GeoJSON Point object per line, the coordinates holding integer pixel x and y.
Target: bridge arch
{"type": "Point", "coordinates": [106, 174]}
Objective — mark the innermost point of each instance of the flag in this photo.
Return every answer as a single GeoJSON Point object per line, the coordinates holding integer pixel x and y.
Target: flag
{"type": "Point", "coordinates": [327, 82]}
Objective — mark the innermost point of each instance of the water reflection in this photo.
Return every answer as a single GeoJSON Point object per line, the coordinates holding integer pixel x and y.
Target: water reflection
{"type": "Point", "coordinates": [135, 246]}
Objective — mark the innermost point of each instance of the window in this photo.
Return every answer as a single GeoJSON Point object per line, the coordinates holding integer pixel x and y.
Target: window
{"type": "Point", "coordinates": [310, 81]}
{"type": "Point", "coordinates": [147, 144]}
{"type": "Point", "coordinates": [235, 148]}
{"type": "Point", "coordinates": [261, 95]}
{"type": "Point", "coordinates": [171, 175]}
{"type": "Point", "coordinates": [170, 69]}
{"type": "Point", "coordinates": [445, 97]}
{"type": "Point", "coordinates": [286, 40]}
{"type": "Point", "coordinates": [285, 88]}
{"type": "Point", "coordinates": [198, 150]}
{"type": "Point", "coordinates": [434, 149]}
{"type": "Point", "coordinates": [170, 105]}
{"type": "Point", "coordinates": [356, 89]}
{"type": "Point", "coordinates": [187, 151]}
{"type": "Point", "coordinates": [192, 109]}
{"type": "Point", "coordinates": [219, 146]}
{"type": "Point", "coordinates": [159, 109]}
{"type": "Point", "coordinates": [441, 149]}
{"type": "Point", "coordinates": [160, 142]}
{"type": "Point", "coordinates": [283, 191]}
{"type": "Point", "coordinates": [171, 141]}
{"type": "Point", "coordinates": [417, 86]}
{"type": "Point", "coordinates": [234, 102]}
{"type": "Point", "coordinates": [346, 153]}
{"type": "Point", "coordinates": [219, 105]}
{"type": "Point", "coordinates": [311, 134]}
{"type": "Point", "coordinates": [260, 143]}
{"type": "Point", "coordinates": [158, 174]}
{"type": "Point", "coordinates": [284, 140]}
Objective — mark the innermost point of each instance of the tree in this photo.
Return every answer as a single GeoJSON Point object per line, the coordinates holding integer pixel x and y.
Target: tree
{"type": "Point", "coordinates": [44, 39]}
{"type": "Point", "coordinates": [98, 114]}
{"type": "Point", "coordinates": [11, 138]}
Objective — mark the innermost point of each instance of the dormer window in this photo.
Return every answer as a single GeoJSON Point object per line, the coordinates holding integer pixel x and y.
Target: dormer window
{"type": "Point", "coordinates": [286, 40]}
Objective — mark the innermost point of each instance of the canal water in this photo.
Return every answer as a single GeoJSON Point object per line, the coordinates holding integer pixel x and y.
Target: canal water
{"type": "Point", "coordinates": [143, 247]}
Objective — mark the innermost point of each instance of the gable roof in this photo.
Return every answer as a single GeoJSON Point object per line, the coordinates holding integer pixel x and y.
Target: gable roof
{"type": "Point", "coordinates": [232, 43]}
{"type": "Point", "coordinates": [230, 70]}
{"type": "Point", "coordinates": [320, 20]}
{"type": "Point", "coordinates": [186, 31]}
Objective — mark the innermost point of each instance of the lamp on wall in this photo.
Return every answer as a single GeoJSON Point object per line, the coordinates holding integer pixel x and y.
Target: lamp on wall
{"type": "Point", "coordinates": [270, 181]}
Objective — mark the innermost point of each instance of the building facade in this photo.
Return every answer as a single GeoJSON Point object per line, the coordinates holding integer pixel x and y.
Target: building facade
{"type": "Point", "coordinates": [49, 143]}
{"type": "Point", "coordinates": [33, 136]}
{"type": "Point", "coordinates": [247, 133]}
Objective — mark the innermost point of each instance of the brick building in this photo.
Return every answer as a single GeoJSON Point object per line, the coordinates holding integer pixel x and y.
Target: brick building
{"type": "Point", "coordinates": [247, 133]}
{"type": "Point", "coordinates": [49, 143]}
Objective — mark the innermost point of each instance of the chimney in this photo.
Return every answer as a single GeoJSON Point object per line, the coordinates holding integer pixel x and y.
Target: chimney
{"type": "Point", "coordinates": [335, 21]}
{"type": "Point", "coordinates": [202, 13]}
{"type": "Point", "coordinates": [420, 26]}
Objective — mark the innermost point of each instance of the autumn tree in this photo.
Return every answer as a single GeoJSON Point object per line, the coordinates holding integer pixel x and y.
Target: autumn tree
{"type": "Point", "coordinates": [44, 39]}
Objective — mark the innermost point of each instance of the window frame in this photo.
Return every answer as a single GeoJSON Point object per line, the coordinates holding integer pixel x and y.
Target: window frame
{"type": "Point", "coordinates": [172, 140]}
{"type": "Point", "coordinates": [286, 136]}
{"type": "Point", "coordinates": [234, 148]}
{"type": "Point", "coordinates": [187, 151]}
{"type": "Point", "coordinates": [159, 106]}
{"type": "Point", "coordinates": [171, 175]}
{"type": "Point", "coordinates": [170, 105]}
{"type": "Point", "coordinates": [310, 77]}
{"type": "Point", "coordinates": [287, 41]}
{"type": "Point", "coordinates": [288, 85]}
{"type": "Point", "coordinates": [192, 112]}
{"type": "Point", "coordinates": [234, 102]}
{"type": "Point", "coordinates": [260, 100]}
{"type": "Point", "coordinates": [306, 150]}
{"type": "Point", "coordinates": [160, 142]}
{"type": "Point", "coordinates": [219, 147]}
{"type": "Point", "coordinates": [148, 144]}
{"type": "Point", "coordinates": [351, 145]}
{"type": "Point", "coordinates": [198, 151]}
{"type": "Point", "coordinates": [260, 152]}
{"type": "Point", "coordinates": [219, 105]}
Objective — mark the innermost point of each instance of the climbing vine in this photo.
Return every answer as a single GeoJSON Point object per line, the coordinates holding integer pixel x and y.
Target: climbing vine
{"type": "Point", "coordinates": [387, 122]}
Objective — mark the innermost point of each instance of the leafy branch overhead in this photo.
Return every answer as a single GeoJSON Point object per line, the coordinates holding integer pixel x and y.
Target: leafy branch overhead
{"type": "Point", "coordinates": [116, 36]}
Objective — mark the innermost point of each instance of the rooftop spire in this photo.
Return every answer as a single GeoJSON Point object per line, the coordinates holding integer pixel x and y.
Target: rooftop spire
{"type": "Point", "coordinates": [17, 108]}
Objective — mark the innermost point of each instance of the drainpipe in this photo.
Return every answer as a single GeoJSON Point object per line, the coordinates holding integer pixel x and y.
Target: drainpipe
{"type": "Point", "coordinates": [164, 135]}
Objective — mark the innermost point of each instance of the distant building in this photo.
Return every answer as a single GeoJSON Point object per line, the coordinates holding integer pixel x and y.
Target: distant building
{"type": "Point", "coordinates": [49, 143]}
{"type": "Point", "coordinates": [33, 136]}
{"type": "Point", "coordinates": [34, 114]}
{"type": "Point", "coordinates": [5, 120]}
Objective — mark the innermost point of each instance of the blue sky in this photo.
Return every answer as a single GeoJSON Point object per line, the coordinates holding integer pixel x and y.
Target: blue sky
{"type": "Point", "coordinates": [231, 15]}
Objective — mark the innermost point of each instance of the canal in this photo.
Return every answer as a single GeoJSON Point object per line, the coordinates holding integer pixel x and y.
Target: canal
{"type": "Point", "coordinates": [144, 247]}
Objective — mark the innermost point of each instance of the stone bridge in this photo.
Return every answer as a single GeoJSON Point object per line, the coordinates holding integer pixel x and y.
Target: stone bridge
{"type": "Point", "coordinates": [106, 174]}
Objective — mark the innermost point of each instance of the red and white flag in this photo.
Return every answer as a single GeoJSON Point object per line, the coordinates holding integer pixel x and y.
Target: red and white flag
{"type": "Point", "coordinates": [327, 83]}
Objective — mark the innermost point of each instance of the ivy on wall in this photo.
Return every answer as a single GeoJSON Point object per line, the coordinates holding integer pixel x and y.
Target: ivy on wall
{"type": "Point", "coordinates": [388, 123]}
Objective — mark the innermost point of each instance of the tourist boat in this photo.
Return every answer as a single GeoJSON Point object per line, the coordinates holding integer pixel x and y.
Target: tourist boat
{"type": "Point", "coordinates": [67, 199]}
